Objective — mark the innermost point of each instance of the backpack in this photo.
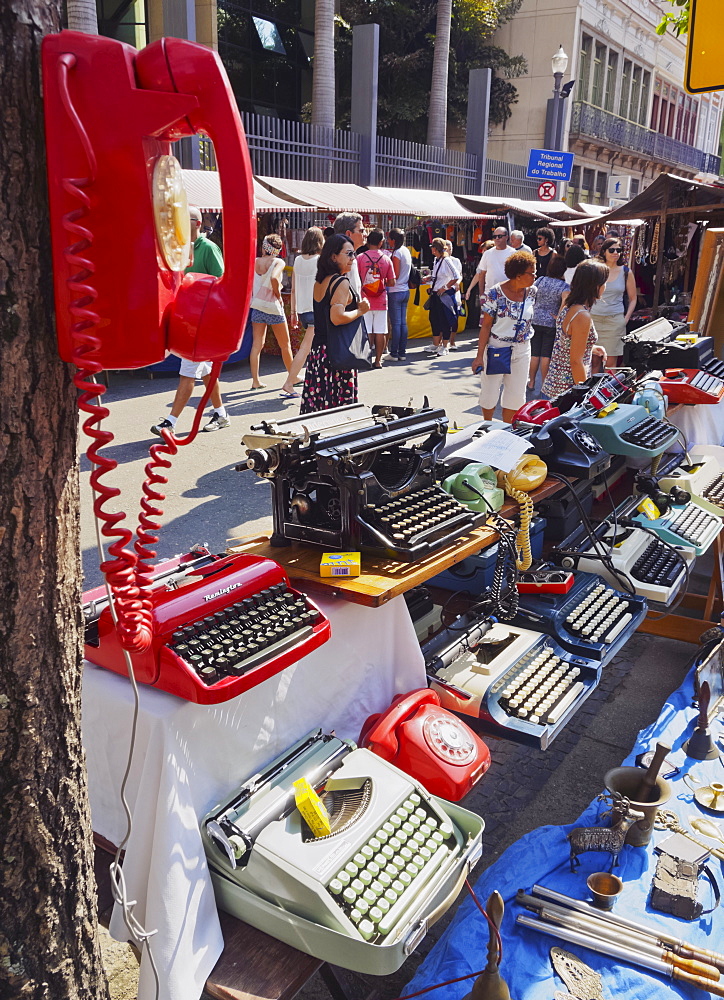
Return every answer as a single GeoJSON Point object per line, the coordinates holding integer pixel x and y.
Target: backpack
{"type": "Point", "coordinates": [374, 283]}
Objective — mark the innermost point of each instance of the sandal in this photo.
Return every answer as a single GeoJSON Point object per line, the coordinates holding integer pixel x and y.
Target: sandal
{"type": "Point", "coordinates": [287, 394]}
{"type": "Point", "coordinates": [253, 388]}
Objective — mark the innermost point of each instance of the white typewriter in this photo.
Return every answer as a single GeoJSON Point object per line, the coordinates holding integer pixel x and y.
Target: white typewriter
{"type": "Point", "coordinates": [703, 477]}
{"type": "Point", "coordinates": [361, 897]}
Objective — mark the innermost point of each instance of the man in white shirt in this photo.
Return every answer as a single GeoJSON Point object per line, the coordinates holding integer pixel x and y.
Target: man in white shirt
{"type": "Point", "coordinates": [516, 241]}
{"type": "Point", "coordinates": [350, 224]}
{"type": "Point", "coordinates": [491, 269]}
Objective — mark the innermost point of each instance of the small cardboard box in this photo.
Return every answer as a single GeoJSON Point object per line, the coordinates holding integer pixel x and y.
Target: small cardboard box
{"type": "Point", "coordinates": [340, 564]}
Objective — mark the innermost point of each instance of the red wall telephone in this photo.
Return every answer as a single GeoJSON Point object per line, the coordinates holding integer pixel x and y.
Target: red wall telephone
{"type": "Point", "coordinates": [429, 743]}
{"type": "Point", "coordinates": [118, 210]}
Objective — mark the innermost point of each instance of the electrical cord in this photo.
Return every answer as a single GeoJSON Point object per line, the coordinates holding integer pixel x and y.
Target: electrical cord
{"type": "Point", "coordinates": [600, 553]}
{"type": "Point", "coordinates": [507, 541]}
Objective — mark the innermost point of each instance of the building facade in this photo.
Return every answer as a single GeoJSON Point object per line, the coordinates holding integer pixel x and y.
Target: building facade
{"type": "Point", "coordinates": [626, 114]}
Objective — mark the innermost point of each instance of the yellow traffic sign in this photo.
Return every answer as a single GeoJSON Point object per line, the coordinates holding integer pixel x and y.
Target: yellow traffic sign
{"type": "Point", "coordinates": [705, 45]}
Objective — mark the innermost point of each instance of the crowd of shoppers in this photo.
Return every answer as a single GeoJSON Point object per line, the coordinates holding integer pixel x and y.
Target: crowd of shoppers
{"type": "Point", "coordinates": [545, 312]}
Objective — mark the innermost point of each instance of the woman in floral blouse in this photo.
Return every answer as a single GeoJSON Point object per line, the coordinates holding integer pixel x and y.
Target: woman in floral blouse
{"type": "Point", "coordinates": [506, 316]}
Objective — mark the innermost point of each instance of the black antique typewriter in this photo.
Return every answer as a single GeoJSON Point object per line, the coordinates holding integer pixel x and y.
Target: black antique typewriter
{"type": "Point", "coordinates": [357, 477]}
{"type": "Point", "coordinates": [655, 346]}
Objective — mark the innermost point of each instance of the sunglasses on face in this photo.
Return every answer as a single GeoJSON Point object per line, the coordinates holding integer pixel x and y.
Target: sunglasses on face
{"type": "Point", "coordinates": [498, 236]}
{"type": "Point", "coordinates": [347, 253]}
{"type": "Point", "coordinates": [614, 250]}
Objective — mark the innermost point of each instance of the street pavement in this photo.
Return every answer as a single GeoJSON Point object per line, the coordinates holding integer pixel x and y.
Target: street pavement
{"type": "Point", "coordinates": [208, 501]}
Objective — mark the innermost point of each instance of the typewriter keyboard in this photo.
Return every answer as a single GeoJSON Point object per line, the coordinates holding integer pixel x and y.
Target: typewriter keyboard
{"type": "Point", "coordinates": [650, 433]}
{"type": "Point", "coordinates": [243, 635]}
{"type": "Point", "coordinates": [540, 687]}
{"type": "Point", "coordinates": [707, 383]}
{"type": "Point", "coordinates": [692, 523]}
{"type": "Point", "coordinates": [416, 513]}
{"type": "Point", "coordinates": [714, 492]}
{"type": "Point", "coordinates": [600, 617]}
{"type": "Point", "coordinates": [714, 367]}
{"type": "Point", "coordinates": [658, 565]}
{"type": "Point", "coordinates": [387, 876]}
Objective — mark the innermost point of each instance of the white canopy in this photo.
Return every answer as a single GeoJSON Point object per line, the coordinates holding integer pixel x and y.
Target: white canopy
{"type": "Point", "coordinates": [203, 188]}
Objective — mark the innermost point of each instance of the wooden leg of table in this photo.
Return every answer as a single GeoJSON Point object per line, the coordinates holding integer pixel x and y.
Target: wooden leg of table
{"type": "Point", "coordinates": [713, 606]}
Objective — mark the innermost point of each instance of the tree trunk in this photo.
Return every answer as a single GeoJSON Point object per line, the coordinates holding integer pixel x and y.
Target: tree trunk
{"type": "Point", "coordinates": [437, 115]}
{"type": "Point", "coordinates": [323, 95]}
{"type": "Point", "coordinates": [83, 16]}
{"type": "Point", "coordinates": [48, 941]}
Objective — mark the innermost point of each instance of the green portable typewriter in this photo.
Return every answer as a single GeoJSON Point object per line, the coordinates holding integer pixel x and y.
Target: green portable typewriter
{"type": "Point", "coordinates": [362, 896]}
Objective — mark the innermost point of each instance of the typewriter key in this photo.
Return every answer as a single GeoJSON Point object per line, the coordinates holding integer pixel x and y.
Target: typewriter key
{"type": "Point", "coordinates": [208, 675]}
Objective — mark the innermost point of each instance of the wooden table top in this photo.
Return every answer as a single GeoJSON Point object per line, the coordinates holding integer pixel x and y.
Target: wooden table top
{"type": "Point", "coordinates": [381, 578]}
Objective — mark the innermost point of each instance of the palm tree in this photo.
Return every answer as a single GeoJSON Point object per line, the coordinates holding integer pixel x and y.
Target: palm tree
{"type": "Point", "coordinates": [437, 116]}
{"type": "Point", "coordinates": [323, 94]}
{"type": "Point", "coordinates": [83, 16]}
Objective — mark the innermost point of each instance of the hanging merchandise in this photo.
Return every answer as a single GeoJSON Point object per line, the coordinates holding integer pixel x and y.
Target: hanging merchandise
{"type": "Point", "coordinates": [478, 234]}
{"type": "Point", "coordinates": [654, 252]}
{"type": "Point", "coordinates": [640, 253]}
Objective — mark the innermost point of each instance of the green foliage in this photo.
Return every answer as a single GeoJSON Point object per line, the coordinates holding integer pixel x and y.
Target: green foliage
{"type": "Point", "coordinates": [678, 21]}
{"type": "Point", "coordinates": [407, 37]}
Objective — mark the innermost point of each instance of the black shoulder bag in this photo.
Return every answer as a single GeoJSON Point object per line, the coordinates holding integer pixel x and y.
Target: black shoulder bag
{"type": "Point", "coordinates": [348, 346]}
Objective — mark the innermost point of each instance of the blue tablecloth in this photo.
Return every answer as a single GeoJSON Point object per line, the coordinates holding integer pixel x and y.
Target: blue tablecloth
{"type": "Point", "coordinates": [543, 857]}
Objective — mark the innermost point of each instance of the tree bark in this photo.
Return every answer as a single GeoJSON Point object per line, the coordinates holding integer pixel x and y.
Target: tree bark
{"type": "Point", "coordinates": [83, 16]}
{"type": "Point", "coordinates": [437, 116]}
{"type": "Point", "coordinates": [48, 940]}
{"type": "Point", "coordinates": [323, 92]}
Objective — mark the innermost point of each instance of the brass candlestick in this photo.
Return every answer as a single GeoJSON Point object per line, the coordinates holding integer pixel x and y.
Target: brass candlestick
{"type": "Point", "coordinates": [490, 985]}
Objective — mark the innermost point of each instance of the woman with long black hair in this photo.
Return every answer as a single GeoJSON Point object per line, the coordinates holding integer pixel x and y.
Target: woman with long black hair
{"type": "Point", "coordinates": [335, 304]}
{"type": "Point", "coordinates": [575, 333]}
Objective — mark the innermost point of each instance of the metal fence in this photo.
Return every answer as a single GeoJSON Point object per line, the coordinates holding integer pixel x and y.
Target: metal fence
{"type": "Point", "coordinates": [303, 152]}
{"type": "Point", "coordinates": [414, 165]}
{"type": "Point", "coordinates": [508, 180]}
{"type": "Point", "coordinates": [596, 123]}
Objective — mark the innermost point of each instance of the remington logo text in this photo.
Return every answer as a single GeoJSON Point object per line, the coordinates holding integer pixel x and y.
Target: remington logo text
{"type": "Point", "coordinates": [224, 590]}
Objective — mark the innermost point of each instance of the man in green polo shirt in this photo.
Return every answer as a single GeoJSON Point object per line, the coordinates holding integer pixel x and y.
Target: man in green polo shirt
{"type": "Point", "coordinates": [207, 259]}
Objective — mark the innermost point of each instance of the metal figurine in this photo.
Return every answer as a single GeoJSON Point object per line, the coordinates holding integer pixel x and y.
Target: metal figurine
{"type": "Point", "coordinates": [611, 839]}
{"type": "Point", "coordinates": [581, 981]}
{"type": "Point", "coordinates": [700, 744]}
{"type": "Point", "coordinates": [490, 985]}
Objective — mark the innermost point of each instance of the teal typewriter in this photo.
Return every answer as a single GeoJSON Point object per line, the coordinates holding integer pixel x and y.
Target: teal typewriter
{"type": "Point", "coordinates": [689, 525]}
{"type": "Point", "coordinates": [630, 430]}
{"type": "Point", "coordinates": [364, 895]}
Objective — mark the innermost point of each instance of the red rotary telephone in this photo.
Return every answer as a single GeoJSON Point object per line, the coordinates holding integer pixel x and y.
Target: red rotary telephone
{"type": "Point", "coordinates": [429, 743]}
{"type": "Point", "coordinates": [537, 411]}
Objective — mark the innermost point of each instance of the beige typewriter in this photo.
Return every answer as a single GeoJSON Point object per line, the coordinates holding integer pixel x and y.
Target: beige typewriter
{"type": "Point", "coordinates": [702, 476]}
{"type": "Point", "coordinates": [361, 897]}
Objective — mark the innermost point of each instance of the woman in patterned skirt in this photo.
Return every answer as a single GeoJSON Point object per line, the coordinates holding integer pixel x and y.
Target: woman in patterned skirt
{"type": "Point", "coordinates": [575, 333]}
{"type": "Point", "coordinates": [335, 304]}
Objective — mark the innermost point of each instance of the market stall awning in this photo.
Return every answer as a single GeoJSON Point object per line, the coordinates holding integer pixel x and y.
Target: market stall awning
{"type": "Point", "coordinates": [554, 209]}
{"type": "Point", "coordinates": [330, 197]}
{"type": "Point", "coordinates": [203, 188]}
{"type": "Point", "coordinates": [427, 204]}
{"type": "Point", "coordinates": [491, 203]}
{"type": "Point", "coordinates": [669, 193]}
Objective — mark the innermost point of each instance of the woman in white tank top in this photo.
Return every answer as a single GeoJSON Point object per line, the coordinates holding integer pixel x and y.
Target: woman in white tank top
{"type": "Point", "coordinates": [304, 274]}
{"type": "Point", "coordinates": [614, 309]}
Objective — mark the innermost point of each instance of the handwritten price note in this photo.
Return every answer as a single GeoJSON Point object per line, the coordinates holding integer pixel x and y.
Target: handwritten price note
{"type": "Point", "coordinates": [499, 449]}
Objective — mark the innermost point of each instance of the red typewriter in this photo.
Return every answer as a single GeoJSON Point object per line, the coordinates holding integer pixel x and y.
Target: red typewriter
{"type": "Point", "coordinates": [691, 385]}
{"type": "Point", "coordinates": [221, 625]}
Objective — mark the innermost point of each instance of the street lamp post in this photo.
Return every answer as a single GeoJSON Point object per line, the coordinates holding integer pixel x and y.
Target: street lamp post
{"type": "Point", "coordinates": [559, 64]}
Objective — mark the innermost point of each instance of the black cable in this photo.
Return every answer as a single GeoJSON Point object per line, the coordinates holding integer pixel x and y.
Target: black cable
{"type": "Point", "coordinates": [599, 552]}
{"type": "Point", "coordinates": [508, 536]}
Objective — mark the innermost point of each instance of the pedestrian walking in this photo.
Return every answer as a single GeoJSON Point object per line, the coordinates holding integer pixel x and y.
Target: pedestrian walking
{"type": "Point", "coordinates": [398, 296]}
{"type": "Point", "coordinates": [376, 276]}
{"type": "Point", "coordinates": [335, 304]}
{"type": "Point", "coordinates": [545, 239]}
{"type": "Point", "coordinates": [491, 268]}
{"type": "Point", "coordinates": [458, 265]}
{"type": "Point", "coordinates": [267, 308]}
{"type": "Point", "coordinates": [441, 299]}
{"type": "Point", "coordinates": [575, 333]}
{"type": "Point", "coordinates": [550, 287]}
{"type": "Point", "coordinates": [506, 326]}
{"type": "Point", "coordinates": [301, 313]}
{"type": "Point", "coordinates": [207, 259]}
{"type": "Point", "coordinates": [614, 308]}
{"type": "Point", "coordinates": [517, 241]}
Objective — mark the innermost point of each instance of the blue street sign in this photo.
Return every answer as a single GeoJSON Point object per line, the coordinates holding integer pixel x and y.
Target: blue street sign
{"type": "Point", "coordinates": [547, 164]}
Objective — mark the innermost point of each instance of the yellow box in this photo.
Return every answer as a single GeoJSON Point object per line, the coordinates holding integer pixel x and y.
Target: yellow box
{"type": "Point", "coordinates": [340, 564]}
{"type": "Point", "coordinates": [313, 810]}
{"type": "Point", "coordinates": [687, 338]}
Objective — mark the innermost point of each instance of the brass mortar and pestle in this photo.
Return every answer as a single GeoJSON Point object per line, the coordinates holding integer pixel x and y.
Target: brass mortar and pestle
{"type": "Point", "coordinates": [646, 793]}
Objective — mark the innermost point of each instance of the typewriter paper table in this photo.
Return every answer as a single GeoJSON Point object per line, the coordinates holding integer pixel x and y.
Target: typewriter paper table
{"type": "Point", "coordinates": [189, 756]}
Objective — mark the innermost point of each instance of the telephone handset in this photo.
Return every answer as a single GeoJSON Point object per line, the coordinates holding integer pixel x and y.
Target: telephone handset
{"type": "Point", "coordinates": [429, 743]}
{"type": "Point", "coordinates": [483, 480]}
{"type": "Point", "coordinates": [118, 213]}
{"type": "Point", "coordinates": [537, 411]}
{"type": "Point", "coordinates": [528, 474]}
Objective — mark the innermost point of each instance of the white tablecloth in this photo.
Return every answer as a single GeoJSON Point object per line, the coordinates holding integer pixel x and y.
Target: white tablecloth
{"type": "Point", "coordinates": [188, 757]}
{"type": "Point", "coordinates": [701, 424]}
